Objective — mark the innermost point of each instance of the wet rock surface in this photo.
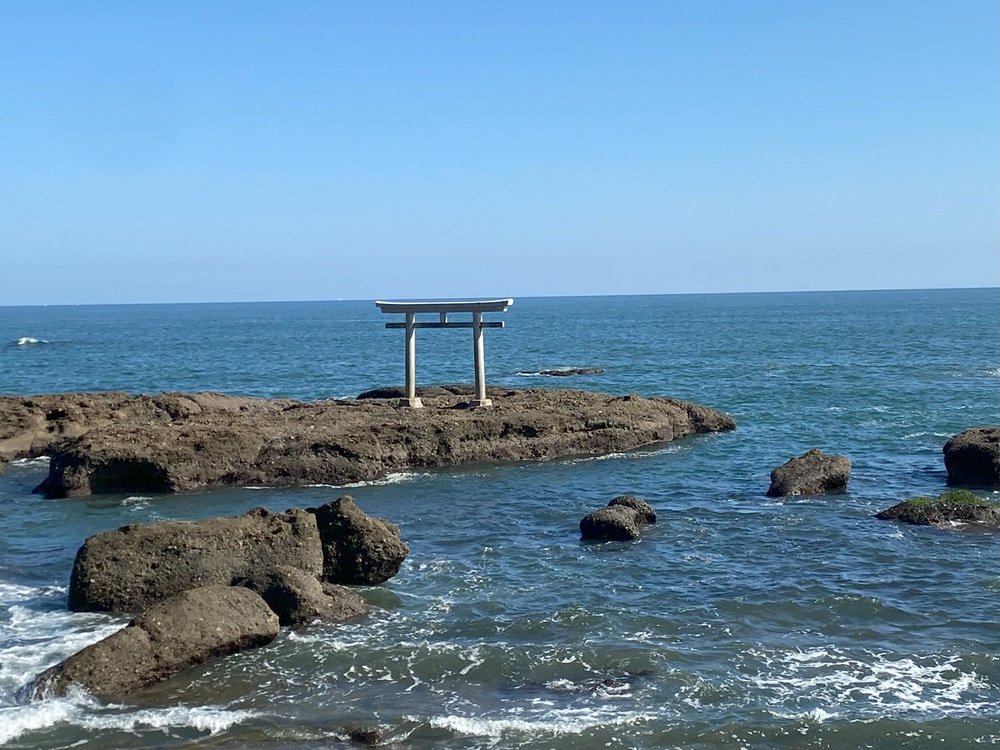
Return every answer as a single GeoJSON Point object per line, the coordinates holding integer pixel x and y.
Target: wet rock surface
{"type": "Point", "coordinates": [180, 632]}
{"type": "Point", "coordinates": [812, 473]}
{"type": "Point", "coordinates": [972, 458]}
{"type": "Point", "coordinates": [113, 442]}
{"type": "Point", "coordinates": [621, 520]}
{"type": "Point", "coordinates": [357, 549]}
{"type": "Point", "coordinates": [132, 568]}
{"type": "Point", "coordinates": [299, 598]}
{"type": "Point", "coordinates": [280, 555]}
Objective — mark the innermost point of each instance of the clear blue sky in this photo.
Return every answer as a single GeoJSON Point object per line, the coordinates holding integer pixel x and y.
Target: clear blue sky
{"type": "Point", "coordinates": [215, 151]}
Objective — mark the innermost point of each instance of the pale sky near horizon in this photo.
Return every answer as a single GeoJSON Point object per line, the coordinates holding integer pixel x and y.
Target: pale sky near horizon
{"type": "Point", "coordinates": [230, 151]}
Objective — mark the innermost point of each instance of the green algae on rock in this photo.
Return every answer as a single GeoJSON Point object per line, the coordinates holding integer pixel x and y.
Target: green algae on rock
{"type": "Point", "coordinates": [947, 509]}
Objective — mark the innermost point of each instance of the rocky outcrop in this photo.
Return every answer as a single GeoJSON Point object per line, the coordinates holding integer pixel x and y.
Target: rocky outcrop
{"type": "Point", "coordinates": [812, 473]}
{"type": "Point", "coordinates": [132, 568]}
{"type": "Point", "coordinates": [357, 549]}
{"type": "Point", "coordinates": [972, 458]}
{"type": "Point", "coordinates": [299, 598]}
{"type": "Point", "coordinates": [620, 521]}
{"type": "Point", "coordinates": [955, 507]}
{"type": "Point", "coordinates": [283, 556]}
{"type": "Point", "coordinates": [213, 587]}
{"type": "Point", "coordinates": [112, 442]}
{"type": "Point", "coordinates": [180, 632]}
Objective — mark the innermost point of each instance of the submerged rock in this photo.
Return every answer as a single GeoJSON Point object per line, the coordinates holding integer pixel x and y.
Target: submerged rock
{"type": "Point", "coordinates": [972, 458]}
{"type": "Point", "coordinates": [812, 473]}
{"type": "Point", "coordinates": [180, 632]}
{"type": "Point", "coordinates": [113, 442]}
{"type": "Point", "coordinates": [947, 509]}
{"type": "Point", "coordinates": [568, 372]}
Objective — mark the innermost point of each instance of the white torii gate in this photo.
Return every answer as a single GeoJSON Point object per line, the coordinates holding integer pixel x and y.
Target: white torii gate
{"type": "Point", "coordinates": [477, 324]}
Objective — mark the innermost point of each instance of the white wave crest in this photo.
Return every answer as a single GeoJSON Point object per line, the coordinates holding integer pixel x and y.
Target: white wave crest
{"type": "Point", "coordinates": [85, 712]}
{"type": "Point", "coordinates": [38, 461]}
{"type": "Point", "coordinates": [395, 477]}
{"type": "Point", "coordinates": [638, 453]}
{"type": "Point", "coordinates": [554, 722]}
{"type": "Point", "coordinates": [37, 640]}
{"type": "Point", "coordinates": [871, 683]}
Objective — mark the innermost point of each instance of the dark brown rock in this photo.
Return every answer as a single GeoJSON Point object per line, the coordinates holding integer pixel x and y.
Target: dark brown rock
{"type": "Point", "coordinates": [813, 473]}
{"type": "Point", "coordinates": [955, 507]}
{"type": "Point", "coordinates": [187, 629]}
{"type": "Point", "coordinates": [130, 569]}
{"type": "Point", "coordinates": [357, 549]}
{"type": "Point", "coordinates": [645, 513]}
{"type": "Point", "coordinates": [113, 442]}
{"type": "Point", "coordinates": [972, 458]}
{"type": "Point", "coordinates": [299, 598]}
{"type": "Point", "coordinates": [613, 523]}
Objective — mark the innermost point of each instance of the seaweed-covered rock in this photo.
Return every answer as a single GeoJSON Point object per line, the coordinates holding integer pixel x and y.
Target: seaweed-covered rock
{"type": "Point", "coordinates": [180, 632]}
{"type": "Point", "coordinates": [812, 473]}
{"type": "Point", "coordinates": [614, 523]}
{"type": "Point", "coordinates": [641, 507]}
{"type": "Point", "coordinates": [972, 458]}
{"type": "Point", "coordinates": [357, 549]}
{"type": "Point", "coordinates": [948, 508]}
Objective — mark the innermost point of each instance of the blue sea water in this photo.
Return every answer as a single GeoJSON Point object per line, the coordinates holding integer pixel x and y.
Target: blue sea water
{"type": "Point", "coordinates": [738, 621]}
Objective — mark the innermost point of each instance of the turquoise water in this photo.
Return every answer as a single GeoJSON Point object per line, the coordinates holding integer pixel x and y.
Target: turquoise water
{"type": "Point", "coordinates": [738, 621]}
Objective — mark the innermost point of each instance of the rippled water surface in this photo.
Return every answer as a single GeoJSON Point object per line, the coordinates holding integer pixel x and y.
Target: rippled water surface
{"type": "Point", "coordinates": [738, 621]}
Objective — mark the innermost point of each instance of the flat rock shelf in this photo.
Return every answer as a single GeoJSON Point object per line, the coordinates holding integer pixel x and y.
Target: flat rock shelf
{"type": "Point", "coordinates": [116, 442]}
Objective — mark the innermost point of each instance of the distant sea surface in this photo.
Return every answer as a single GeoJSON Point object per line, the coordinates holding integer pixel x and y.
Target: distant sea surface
{"type": "Point", "coordinates": [738, 621]}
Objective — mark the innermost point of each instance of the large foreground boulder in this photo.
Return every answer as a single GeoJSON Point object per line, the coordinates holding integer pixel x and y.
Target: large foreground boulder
{"type": "Point", "coordinates": [972, 458]}
{"type": "Point", "coordinates": [134, 567]}
{"type": "Point", "coordinates": [299, 598]}
{"type": "Point", "coordinates": [812, 473]}
{"type": "Point", "coordinates": [187, 629]}
{"type": "Point", "coordinates": [955, 507]}
{"type": "Point", "coordinates": [357, 549]}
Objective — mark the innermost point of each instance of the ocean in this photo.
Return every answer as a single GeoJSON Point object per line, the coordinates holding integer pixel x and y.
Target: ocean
{"type": "Point", "coordinates": [738, 621]}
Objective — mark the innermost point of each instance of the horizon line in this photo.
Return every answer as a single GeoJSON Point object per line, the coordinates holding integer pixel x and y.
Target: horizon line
{"type": "Point", "coordinates": [525, 296]}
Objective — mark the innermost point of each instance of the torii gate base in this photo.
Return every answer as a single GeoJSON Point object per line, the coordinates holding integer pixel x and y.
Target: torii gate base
{"type": "Point", "coordinates": [442, 309]}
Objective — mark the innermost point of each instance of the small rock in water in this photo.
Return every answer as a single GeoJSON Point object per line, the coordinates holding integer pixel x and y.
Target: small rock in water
{"type": "Point", "coordinates": [640, 506]}
{"type": "Point", "coordinates": [972, 458]}
{"type": "Point", "coordinates": [614, 523]}
{"type": "Point", "coordinates": [812, 473]}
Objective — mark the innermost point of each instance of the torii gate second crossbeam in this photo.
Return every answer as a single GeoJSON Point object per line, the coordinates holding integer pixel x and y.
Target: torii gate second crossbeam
{"type": "Point", "coordinates": [477, 324]}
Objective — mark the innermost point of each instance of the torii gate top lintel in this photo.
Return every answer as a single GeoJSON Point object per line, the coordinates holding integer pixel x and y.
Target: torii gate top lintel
{"type": "Point", "coordinates": [477, 308]}
{"type": "Point", "coordinates": [490, 305]}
